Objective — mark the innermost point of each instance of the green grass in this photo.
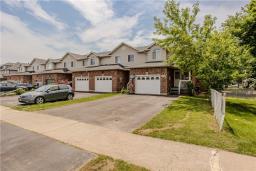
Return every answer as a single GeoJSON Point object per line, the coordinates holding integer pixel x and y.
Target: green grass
{"type": "Point", "coordinates": [191, 120]}
{"type": "Point", "coordinates": [104, 163]}
{"type": "Point", "coordinates": [36, 107]}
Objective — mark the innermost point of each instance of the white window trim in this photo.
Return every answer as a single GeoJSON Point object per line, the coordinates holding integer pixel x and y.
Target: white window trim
{"type": "Point", "coordinates": [133, 57]}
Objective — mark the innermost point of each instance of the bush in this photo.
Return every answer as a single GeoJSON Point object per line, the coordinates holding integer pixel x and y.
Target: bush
{"type": "Point", "coordinates": [190, 88]}
{"type": "Point", "coordinates": [124, 91]}
{"type": "Point", "coordinates": [19, 91]}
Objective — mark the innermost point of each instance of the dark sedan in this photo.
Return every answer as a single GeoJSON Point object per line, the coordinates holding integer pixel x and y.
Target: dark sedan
{"type": "Point", "coordinates": [7, 86]}
{"type": "Point", "coordinates": [47, 93]}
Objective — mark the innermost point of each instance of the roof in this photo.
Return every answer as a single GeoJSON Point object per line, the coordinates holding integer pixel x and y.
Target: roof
{"type": "Point", "coordinates": [151, 65]}
{"type": "Point", "coordinates": [52, 60]}
{"type": "Point", "coordinates": [20, 73]}
{"type": "Point", "coordinates": [74, 55]}
{"type": "Point", "coordinates": [56, 71]}
{"type": "Point", "coordinates": [101, 67]}
{"type": "Point", "coordinates": [40, 61]}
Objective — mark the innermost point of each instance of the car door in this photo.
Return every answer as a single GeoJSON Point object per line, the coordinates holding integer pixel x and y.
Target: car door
{"type": "Point", "coordinates": [63, 91]}
{"type": "Point", "coordinates": [52, 93]}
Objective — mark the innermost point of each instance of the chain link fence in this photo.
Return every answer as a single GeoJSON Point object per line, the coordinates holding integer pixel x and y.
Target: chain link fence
{"type": "Point", "coordinates": [219, 105]}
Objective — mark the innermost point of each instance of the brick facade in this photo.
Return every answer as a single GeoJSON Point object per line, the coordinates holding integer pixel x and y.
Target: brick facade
{"type": "Point", "coordinates": [120, 78]}
{"type": "Point", "coordinates": [20, 78]}
{"type": "Point", "coordinates": [166, 76]}
{"type": "Point", "coordinates": [51, 78]}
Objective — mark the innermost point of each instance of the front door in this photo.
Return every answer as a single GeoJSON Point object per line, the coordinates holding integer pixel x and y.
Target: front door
{"type": "Point", "coordinates": [176, 78]}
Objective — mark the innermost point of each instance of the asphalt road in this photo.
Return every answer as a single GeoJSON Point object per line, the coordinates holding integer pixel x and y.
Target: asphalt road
{"type": "Point", "coordinates": [23, 150]}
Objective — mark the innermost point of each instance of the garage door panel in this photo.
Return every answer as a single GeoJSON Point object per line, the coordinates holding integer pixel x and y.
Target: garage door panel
{"type": "Point", "coordinates": [103, 84]}
{"type": "Point", "coordinates": [81, 84]}
{"type": "Point", "coordinates": [147, 84]}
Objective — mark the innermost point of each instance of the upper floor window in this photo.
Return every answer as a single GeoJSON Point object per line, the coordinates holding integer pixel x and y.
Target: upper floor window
{"type": "Point", "coordinates": [156, 54]}
{"type": "Point", "coordinates": [37, 67]}
{"type": "Point", "coordinates": [130, 58]}
{"type": "Point", "coordinates": [33, 68]}
{"type": "Point", "coordinates": [65, 65]}
{"type": "Point", "coordinates": [83, 62]}
{"type": "Point", "coordinates": [92, 61]}
{"type": "Point", "coordinates": [117, 60]}
{"type": "Point", "coordinates": [72, 64]}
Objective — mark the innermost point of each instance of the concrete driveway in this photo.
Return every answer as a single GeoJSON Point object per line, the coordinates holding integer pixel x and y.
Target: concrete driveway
{"type": "Point", "coordinates": [23, 150]}
{"type": "Point", "coordinates": [13, 100]}
{"type": "Point", "coordinates": [122, 112]}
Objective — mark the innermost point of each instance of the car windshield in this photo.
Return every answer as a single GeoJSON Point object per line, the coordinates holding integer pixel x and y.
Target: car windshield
{"type": "Point", "coordinates": [43, 88]}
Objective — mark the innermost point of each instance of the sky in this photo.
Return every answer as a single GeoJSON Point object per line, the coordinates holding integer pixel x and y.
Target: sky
{"type": "Point", "coordinates": [49, 29]}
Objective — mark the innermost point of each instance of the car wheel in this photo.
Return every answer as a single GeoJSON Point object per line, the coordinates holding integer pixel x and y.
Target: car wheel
{"type": "Point", "coordinates": [39, 100]}
{"type": "Point", "coordinates": [70, 97]}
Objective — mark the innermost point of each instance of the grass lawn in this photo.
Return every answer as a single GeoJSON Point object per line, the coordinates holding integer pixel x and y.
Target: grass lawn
{"type": "Point", "coordinates": [104, 163]}
{"type": "Point", "coordinates": [191, 120]}
{"type": "Point", "coordinates": [48, 105]}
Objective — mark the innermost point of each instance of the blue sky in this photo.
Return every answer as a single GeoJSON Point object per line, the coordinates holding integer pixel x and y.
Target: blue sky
{"type": "Point", "coordinates": [49, 29]}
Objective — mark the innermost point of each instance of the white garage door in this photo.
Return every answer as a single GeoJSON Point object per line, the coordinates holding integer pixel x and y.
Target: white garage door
{"type": "Point", "coordinates": [147, 84]}
{"type": "Point", "coordinates": [81, 84]}
{"type": "Point", "coordinates": [103, 84]}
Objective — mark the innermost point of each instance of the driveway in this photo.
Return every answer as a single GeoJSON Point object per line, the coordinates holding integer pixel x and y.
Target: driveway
{"type": "Point", "coordinates": [13, 100]}
{"type": "Point", "coordinates": [23, 150]}
{"type": "Point", "coordinates": [122, 112]}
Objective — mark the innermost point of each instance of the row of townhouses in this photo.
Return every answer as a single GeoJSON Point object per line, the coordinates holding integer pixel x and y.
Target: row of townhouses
{"type": "Point", "coordinates": [140, 69]}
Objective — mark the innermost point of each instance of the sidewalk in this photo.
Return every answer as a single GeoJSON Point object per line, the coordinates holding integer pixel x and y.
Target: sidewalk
{"type": "Point", "coordinates": [152, 153]}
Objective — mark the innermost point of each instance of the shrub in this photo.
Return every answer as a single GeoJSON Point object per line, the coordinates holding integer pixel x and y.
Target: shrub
{"type": "Point", "coordinates": [124, 91]}
{"type": "Point", "coordinates": [190, 88]}
{"type": "Point", "coordinates": [19, 91]}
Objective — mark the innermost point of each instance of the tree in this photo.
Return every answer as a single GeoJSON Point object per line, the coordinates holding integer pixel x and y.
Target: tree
{"type": "Point", "coordinates": [243, 26]}
{"type": "Point", "coordinates": [183, 37]}
{"type": "Point", "coordinates": [223, 60]}
{"type": "Point", "coordinates": [215, 57]}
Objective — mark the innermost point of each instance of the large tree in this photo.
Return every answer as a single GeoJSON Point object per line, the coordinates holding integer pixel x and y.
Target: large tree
{"type": "Point", "coordinates": [243, 26]}
{"type": "Point", "coordinates": [214, 57]}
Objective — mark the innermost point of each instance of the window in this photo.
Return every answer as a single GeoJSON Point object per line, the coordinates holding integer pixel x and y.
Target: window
{"type": "Point", "coordinates": [63, 87]}
{"type": "Point", "coordinates": [64, 64]}
{"type": "Point", "coordinates": [92, 61]}
{"type": "Point", "coordinates": [156, 54]}
{"type": "Point", "coordinates": [83, 62]}
{"type": "Point", "coordinates": [37, 67]}
{"type": "Point", "coordinates": [130, 58]}
{"type": "Point", "coordinates": [117, 59]}
{"type": "Point", "coordinates": [72, 64]}
{"type": "Point", "coordinates": [33, 68]}
{"type": "Point", "coordinates": [54, 88]}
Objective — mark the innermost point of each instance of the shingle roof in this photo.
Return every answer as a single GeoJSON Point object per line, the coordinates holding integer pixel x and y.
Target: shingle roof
{"type": "Point", "coordinates": [77, 56]}
{"type": "Point", "coordinates": [52, 60]}
{"type": "Point", "coordinates": [151, 65]}
{"type": "Point", "coordinates": [101, 67]}
{"type": "Point", "coordinates": [40, 61]}
{"type": "Point", "coordinates": [56, 71]}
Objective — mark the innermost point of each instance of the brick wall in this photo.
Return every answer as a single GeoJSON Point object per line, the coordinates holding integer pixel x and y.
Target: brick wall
{"type": "Point", "coordinates": [119, 78]}
{"type": "Point", "coordinates": [51, 78]}
{"type": "Point", "coordinates": [20, 78]}
{"type": "Point", "coordinates": [165, 76]}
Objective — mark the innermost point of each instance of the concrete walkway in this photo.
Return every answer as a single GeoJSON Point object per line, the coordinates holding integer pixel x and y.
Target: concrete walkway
{"type": "Point", "coordinates": [151, 153]}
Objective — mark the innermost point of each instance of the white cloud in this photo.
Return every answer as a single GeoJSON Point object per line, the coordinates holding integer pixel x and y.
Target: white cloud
{"type": "Point", "coordinates": [37, 11]}
{"type": "Point", "coordinates": [106, 30]}
{"type": "Point", "coordinates": [95, 11]}
{"type": "Point", "coordinates": [18, 43]}
{"type": "Point", "coordinates": [110, 29]}
{"type": "Point", "coordinates": [221, 11]}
